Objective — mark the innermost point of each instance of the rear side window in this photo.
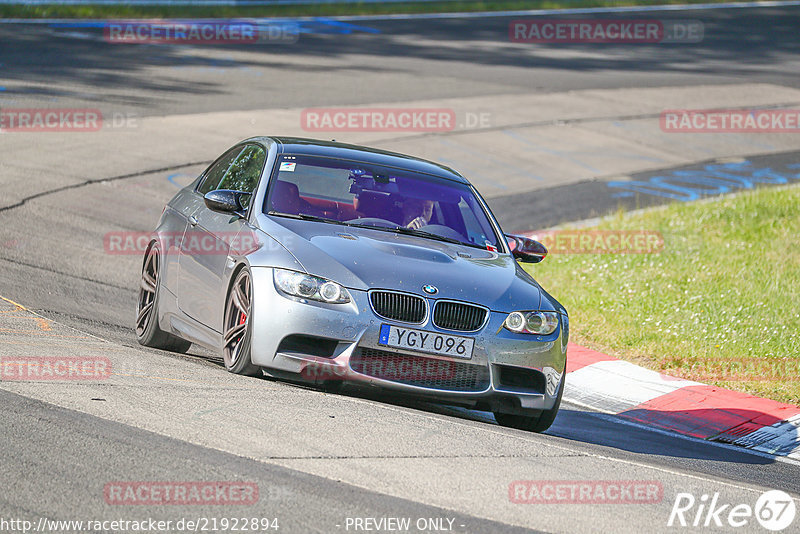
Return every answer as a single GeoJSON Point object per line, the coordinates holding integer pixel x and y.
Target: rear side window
{"type": "Point", "coordinates": [217, 171]}
{"type": "Point", "coordinates": [244, 173]}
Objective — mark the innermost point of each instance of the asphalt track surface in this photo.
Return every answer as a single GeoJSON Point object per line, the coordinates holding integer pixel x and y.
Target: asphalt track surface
{"type": "Point", "coordinates": [323, 458]}
{"type": "Point", "coordinates": [383, 61]}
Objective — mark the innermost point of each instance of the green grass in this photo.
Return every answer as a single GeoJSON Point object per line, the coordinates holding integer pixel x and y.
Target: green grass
{"type": "Point", "coordinates": [353, 8]}
{"type": "Point", "coordinates": [720, 303]}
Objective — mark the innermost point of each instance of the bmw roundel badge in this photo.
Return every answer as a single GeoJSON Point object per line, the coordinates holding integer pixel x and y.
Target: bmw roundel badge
{"type": "Point", "coordinates": [430, 290]}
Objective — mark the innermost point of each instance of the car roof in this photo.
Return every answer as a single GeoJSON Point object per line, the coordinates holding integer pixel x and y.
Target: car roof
{"type": "Point", "coordinates": [318, 147]}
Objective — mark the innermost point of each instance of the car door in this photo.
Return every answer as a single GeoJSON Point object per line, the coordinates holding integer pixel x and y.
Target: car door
{"type": "Point", "coordinates": [205, 250]}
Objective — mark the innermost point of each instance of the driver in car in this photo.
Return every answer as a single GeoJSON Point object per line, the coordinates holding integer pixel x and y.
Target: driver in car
{"type": "Point", "coordinates": [417, 212]}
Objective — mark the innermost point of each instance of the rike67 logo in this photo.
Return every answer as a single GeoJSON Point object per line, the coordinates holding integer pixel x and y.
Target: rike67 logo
{"type": "Point", "coordinates": [774, 510]}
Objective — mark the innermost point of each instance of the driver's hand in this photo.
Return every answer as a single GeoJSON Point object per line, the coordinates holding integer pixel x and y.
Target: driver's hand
{"type": "Point", "coordinates": [417, 223]}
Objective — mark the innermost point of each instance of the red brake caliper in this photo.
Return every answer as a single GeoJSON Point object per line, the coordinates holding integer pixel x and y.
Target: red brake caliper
{"type": "Point", "coordinates": [242, 317]}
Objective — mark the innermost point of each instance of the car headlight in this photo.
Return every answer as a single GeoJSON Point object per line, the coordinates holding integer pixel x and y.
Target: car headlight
{"type": "Point", "coordinates": [532, 322]}
{"type": "Point", "coordinates": [310, 287]}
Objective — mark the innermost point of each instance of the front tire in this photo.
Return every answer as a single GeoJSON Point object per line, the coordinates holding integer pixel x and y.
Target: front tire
{"type": "Point", "coordinates": [238, 327]}
{"type": "Point", "coordinates": [533, 423]}
{"type": "Point", "coordinates": [148, 332]}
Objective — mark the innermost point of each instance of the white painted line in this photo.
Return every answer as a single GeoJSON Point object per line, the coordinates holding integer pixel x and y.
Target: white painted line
{"type": "Point", "coordinates": [790, 460]}
{"type": "Point", "coordinates": [753, 488]}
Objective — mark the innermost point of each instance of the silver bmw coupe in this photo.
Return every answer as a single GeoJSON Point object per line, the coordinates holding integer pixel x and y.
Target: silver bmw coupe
{"type": "Point", "coordinates": [332, 264]}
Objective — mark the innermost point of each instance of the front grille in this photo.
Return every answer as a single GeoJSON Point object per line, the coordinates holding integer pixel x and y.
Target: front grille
{"type": "Point", "coordinates": [398, 306]}
{"type": "Point", "coordinates": [420, 371]}
{"type": "Point", "coordinates": [458, 316]}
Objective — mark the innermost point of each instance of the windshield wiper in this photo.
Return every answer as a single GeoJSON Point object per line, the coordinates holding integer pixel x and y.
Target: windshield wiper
{"type": "Point", "coordinates": [422, 233]}
{"type": "Point", "coordinates": [393, 229]}
{"type": "Point", "coordinates": [306, 217]}
{"type": "Point", "coordinates": [405, 230]}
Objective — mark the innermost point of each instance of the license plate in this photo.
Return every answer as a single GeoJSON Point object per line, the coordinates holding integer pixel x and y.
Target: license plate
{"type": "Point", "coordinates": [430, 342]}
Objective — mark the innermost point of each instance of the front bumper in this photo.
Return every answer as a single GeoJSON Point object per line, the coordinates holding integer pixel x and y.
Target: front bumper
{"type": "Point", "coordinates": [534, 364]}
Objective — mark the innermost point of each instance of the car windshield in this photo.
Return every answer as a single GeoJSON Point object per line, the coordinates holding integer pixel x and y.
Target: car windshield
{"type": "Point", "coordinates": [353, 193]}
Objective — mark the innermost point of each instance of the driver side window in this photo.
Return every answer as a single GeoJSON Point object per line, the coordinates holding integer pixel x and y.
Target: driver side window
{"type": "Point", "coordinates": [217, 171]}
{"type": "Point", "coordinates": [244, 173]}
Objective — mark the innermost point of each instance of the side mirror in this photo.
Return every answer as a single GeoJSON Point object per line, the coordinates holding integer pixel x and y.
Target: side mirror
{"type": "Point", "coordinates": [526, 250]}
{"type": "Point", "coordinates": [226, 201]}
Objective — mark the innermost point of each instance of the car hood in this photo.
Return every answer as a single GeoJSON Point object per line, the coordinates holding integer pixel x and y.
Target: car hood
{"type": "Point", "coordinates": [365, 259]}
